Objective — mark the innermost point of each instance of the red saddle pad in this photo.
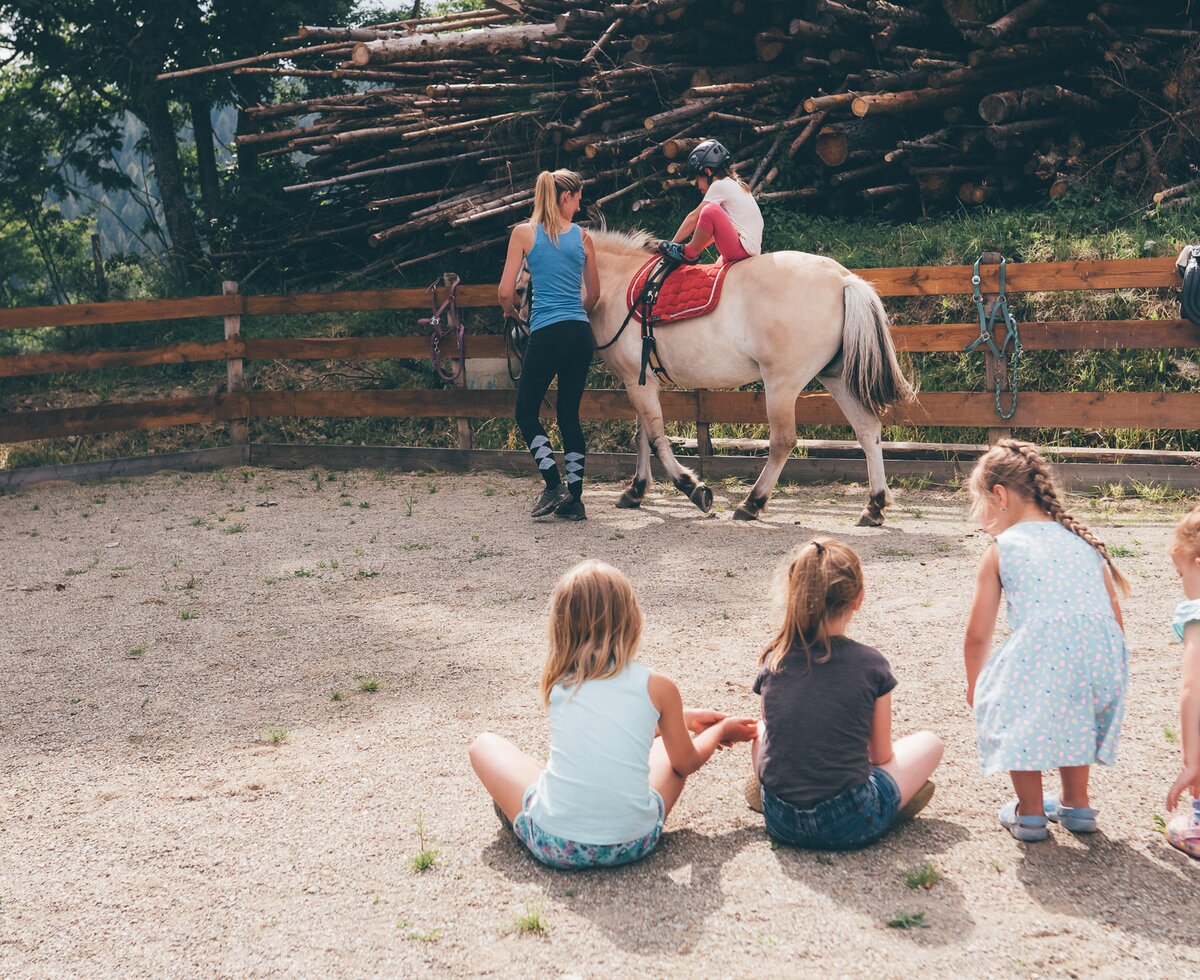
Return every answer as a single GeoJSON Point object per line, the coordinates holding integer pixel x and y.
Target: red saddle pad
{"type": "Point", "coordinates": [691, 290]}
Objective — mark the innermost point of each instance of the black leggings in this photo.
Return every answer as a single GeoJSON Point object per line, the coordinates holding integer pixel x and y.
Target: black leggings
{"type": "Point", "coordinates": [563, 349]}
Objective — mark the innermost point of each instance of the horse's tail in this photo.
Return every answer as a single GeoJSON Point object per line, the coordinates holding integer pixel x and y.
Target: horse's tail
{"type": "Point", "coordinates": [869, 364]}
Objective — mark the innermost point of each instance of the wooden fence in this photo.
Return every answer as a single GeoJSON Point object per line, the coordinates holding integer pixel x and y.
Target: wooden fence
{"type": "Point", "coordinates": [237, 403]}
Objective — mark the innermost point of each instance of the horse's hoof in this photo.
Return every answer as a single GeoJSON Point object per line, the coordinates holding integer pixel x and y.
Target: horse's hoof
{"type": "Point", "coordinates": [870, 520]}
{"type": "Point", "coordinates": [702, 497]}
{"type": "Point", "coordinates": [629, 502]}
{"type": "Point", "coordinates": [744, 513]}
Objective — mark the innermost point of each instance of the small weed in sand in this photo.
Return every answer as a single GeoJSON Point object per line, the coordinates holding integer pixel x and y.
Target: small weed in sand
{"type": "Point", "coordinates": [730, 573]}
{"type": "Point", "coordinates": [482, 553]}
{"type": "Point", "coordinates": [913, 482]}
{"type": "Point", "coordinates": [364, 505]}
{"type": "Point", "coordinates": [1160, 823]}
{"type": "Point", "coordinates": [363, 573]}
{"type": "Point", "coordinates": [186, 614]}
{"type": "Point", "coordinates": [1156, 493]}
{"type": "Point", "coordinates": [369, 685]}
{"type": "Point", "coordinates": [336, 696]}
{"type": "Point", "coordinates": [489, 491]}
{"type": "Point", "coordinates": [432, 936]}
{"type": "Point", "coordinates": [432, 488]}
{"type": "Point", "coordinates": [414, 546]}
{"type": "Point", "coordinates": [277, 736]}
{"type": "Point", "coordinates": [197, 522]}
{"type": "Point", "coordinates": [1123, 551]}
{"type": "Point", "coordinates": [1170, 735]}
{"type": "Point", "coordinates": [997, 865]}
{"type": "Point", "coordinates": [908, 920]}
{"type": "Point", "coordinates": [303, 573]}
{"type": "Point", "coordinates": [315, 479]}
{"type": "Point", "coordinates": [236, 528]}
{"type": "Point", "coordinates": [531, 921]}
{"type": "Point", "coordinates": [925, 876]}
{"type": "Point", "coordinates": [427, 856]}
{"type": "Point", "coordinates": [409, 502]}
{"type": "Point", "coordinates": [382, 475]}
{"type": "Point", "coordinates": [135, 653]}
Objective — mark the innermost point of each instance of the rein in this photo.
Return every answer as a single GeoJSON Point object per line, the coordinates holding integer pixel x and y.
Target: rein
{"type": "Point", "coordinates": [446, 322]}
{"type": "Point", "coordinates": [645, 303]}
{"type": "Point", "coordinates": [987, 333]}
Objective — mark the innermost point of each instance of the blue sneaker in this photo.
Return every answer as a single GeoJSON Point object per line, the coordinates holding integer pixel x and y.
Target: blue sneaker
{"type": "Point", "coordinates": [1076, 819]}
{"type": "Point", "coordinates": [674, 252]}
{"type": "Point", "coordinates": [1026, 829]}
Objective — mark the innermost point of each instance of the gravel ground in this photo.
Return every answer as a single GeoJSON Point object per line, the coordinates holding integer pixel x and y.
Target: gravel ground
{"type": "Point", "coordinates": [162, 634]}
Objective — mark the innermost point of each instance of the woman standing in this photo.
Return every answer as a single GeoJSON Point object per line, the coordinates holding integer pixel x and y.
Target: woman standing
{"type": "Point", "coordinates": [566, 286]}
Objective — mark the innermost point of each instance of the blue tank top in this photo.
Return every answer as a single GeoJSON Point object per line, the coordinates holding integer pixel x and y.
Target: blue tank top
{"type": "Point", "coordinates": [557, 273]}
{"type": "Point", "coordinates": [595, 788]}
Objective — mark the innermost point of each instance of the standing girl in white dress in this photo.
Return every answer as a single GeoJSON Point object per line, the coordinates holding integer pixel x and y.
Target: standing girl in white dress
{"type": "Point", "coordinates": [1052, 696]}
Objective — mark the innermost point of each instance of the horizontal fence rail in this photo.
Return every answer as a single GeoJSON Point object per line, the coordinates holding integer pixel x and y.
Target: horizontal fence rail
{"type": "Point", "coordinates": [1097, 410]}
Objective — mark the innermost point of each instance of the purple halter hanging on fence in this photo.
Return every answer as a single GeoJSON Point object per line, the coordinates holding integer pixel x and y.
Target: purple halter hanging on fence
{"type": "Point", "coordinates": [446, 322]}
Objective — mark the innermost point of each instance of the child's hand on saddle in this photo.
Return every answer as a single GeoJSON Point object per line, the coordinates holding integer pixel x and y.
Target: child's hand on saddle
{"type": "Point", "coordinates": [698, 719]}
{"type": "Point", "coordinates": [738, 730]}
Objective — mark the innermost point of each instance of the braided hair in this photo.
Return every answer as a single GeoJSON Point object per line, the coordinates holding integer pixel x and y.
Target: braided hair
{"type": "Point", "coordinates": [1021, 468]}
{"type": "Point", "coordinates": [824, 579]}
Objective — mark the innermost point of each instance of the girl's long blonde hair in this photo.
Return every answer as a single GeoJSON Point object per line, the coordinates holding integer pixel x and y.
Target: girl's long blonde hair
{"type": "Point", "coordinates": [595, 627]}
{"type": "Point", "coordinates": [824, 579]}
{"type": "Point", "coordinates": [1020, 467]}
{"type": "Point", "coordinates": [546, 192]}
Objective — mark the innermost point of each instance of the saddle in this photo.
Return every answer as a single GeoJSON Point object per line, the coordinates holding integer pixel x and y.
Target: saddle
{"type": "Point", "coordinates": [663, 291]}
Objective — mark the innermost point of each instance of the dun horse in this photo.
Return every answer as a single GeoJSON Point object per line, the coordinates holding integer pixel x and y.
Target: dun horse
{"type": "Point", "coordinates": [784, 317]}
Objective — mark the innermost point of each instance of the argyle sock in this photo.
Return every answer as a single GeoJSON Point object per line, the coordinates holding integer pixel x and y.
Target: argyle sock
{"type": "Point", "coordinates": [574, 463]}
{"type": "Point", "coordinates": [540, 448]}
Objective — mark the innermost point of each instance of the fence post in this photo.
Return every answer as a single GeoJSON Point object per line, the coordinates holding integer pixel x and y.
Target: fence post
{"type": "Point", "coordinates": [464, 424]}
{"type": "Point", "coordinates": [703, 441]}
{"type": "Point", "coordinates": [235, 372]}
{"type": "Point", "coordinates": [995, 369]}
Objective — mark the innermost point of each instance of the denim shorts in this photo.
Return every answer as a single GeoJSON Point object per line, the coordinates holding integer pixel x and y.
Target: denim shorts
{"type": "Point", "coordinates": [854, 818]}
{"type": "Point", "coordinates": [558, 852]}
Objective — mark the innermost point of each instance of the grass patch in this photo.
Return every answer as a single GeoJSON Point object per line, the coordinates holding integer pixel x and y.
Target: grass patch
{"type": "Point", "coordinates": [135, 653]}
{"type": "Point", "coordinates": [336, 696]}
{"type": "Point", "coordinates": [363, 573]}
{"type": "Point", "coordinates": [925, 876]}
{"type": "Point", "coordinates": [368, 685]}
{"type": "Point", "coordinates": [186, 614]}
{"type": "Point", "coordinates": [1170, 735]}
{"type": "Point", "coordinates": [1160, 823]}
{"type": "Point", "coordinates": [431, 936]}
{"type": "Point", "coordinates": [236, 528]}
{"type": "Point", "coordinates": [908, 920]}
{"type": "Point", "coordinates": [532, 920]}
{"type": "Point", "coordinates": [277, 736]}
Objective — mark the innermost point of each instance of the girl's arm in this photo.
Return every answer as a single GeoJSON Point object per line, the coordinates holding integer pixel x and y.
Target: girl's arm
{"type": "Point", "coordinates": [1112, 596]}
{"type": "Point", "coordinates": [519, 244]}
{"type": "Point", "coordinates": [688, 754]}
{"type": "Point", "coordinates": [981, 623]}
{"type": "Point", "coordinates": [879, 748]}
{"type": "Point", "coordinates": [591, 275]}
{"type": "Point", "coordinates": [1189, 718]}
{"type": "Point", "coordinates": [689, 225]}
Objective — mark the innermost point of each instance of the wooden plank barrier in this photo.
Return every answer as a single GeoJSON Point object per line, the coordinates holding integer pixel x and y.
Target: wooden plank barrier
{"type": "Point", "coordinates": [1101, 410]}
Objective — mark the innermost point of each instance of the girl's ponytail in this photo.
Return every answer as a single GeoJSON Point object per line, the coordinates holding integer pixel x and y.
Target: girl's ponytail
{"type": "Point", "coordinates": [824, 578]}
{"type": "Point", "coordinates": [546, 192]}
{"type": "Point", "coordinates": [1020, 467]}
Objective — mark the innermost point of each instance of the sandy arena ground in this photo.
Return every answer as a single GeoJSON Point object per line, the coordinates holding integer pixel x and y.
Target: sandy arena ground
{"type": "Point", "coordinates": [160, 632]}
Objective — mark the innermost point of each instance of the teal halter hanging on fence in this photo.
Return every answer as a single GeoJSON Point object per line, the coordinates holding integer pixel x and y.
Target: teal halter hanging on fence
{"type": "Point", "coordinates": [987, 334]}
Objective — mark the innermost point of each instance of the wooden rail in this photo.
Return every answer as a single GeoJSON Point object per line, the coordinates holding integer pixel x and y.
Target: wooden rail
{"type": "Point", "coordinates": [1106, 410]}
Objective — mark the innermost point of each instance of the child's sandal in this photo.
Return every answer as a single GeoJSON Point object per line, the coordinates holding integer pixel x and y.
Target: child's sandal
{"type": "Point", "coordinates": [1025, 829]}
{"type": "Point", "coordinates": [753, 793]}
{"type": "Point", "coordinates": [920, 800]}
{"type": "Point", "coordinates": [1183, 834]}
{"type": "Point", "coordinates": [1076, 819]}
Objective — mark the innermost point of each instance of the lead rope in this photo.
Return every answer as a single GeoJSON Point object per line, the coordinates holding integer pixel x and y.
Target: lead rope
{"type": "Point", "coordinates": [987, 335]}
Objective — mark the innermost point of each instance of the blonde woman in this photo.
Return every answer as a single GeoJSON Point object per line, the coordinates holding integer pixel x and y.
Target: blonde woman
{"type": "Point", "coordinates": [621, 742]}
{"type": "Point", "coordinates": [566, 286]}
{"type": "Point", "coordinates": [828, 775]}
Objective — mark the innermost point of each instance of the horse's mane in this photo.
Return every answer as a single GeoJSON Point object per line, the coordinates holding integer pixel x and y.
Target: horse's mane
{"type": "Point", "coordinates": [635, 240]}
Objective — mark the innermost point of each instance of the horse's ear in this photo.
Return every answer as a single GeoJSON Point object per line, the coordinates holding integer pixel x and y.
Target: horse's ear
{"type": "Point", "coordinates": [597, 216]}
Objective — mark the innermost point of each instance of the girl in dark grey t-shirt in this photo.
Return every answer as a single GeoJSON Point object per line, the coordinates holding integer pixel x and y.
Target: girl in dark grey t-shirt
{"type": "Point", "coordinates": [829, 774]}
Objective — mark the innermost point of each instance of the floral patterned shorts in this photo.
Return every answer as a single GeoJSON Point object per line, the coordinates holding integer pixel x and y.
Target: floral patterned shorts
{"type": "Point", "coordinates": [558, 852]}
{"type": "Point", "coordinates": [1183, 831]}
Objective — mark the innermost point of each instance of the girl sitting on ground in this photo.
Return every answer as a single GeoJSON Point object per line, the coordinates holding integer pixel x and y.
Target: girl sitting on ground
{"type": "Point", "coordinates": [728, 215]}
{"type": "Point", "coordinates": [621, 743]}
{"type": "Point", "coordinates": [827, 773]}
{"type": "Point", "coordinates": [1053, 695]}
{"type": "Point", "coordinates": [1183, 830]}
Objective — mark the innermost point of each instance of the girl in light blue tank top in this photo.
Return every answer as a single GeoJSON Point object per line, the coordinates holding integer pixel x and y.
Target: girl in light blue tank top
{"type": "Point", "coordinates": [565, 286]}
{"type": "Point", "coordinates": [621, 743]}
{"type": "Point", "coordinates": [1183, 829]}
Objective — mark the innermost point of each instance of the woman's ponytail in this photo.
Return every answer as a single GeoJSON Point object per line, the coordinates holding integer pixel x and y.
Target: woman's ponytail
{"type": "Point", "coordinates": [546, 192]}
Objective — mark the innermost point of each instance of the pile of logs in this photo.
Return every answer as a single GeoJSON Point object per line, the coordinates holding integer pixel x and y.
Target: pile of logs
{"type": "Point", "coordinates": [844, 104]}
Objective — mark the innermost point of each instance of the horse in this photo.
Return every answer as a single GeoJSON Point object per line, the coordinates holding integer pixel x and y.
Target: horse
{"type": "Point", "coordinates": [785, 317]}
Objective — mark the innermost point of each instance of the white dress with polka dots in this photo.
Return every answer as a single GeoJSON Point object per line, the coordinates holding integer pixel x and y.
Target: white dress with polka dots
{"type": "Point", "coordinates": [1054, 693]}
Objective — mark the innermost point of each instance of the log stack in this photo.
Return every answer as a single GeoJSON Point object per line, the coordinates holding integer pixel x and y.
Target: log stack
{"type": "Point", "coordinates": [839, 104]}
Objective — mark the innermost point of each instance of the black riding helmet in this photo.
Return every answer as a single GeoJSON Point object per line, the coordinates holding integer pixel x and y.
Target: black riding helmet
{"type": "Point", "coordinates": [710, 154]}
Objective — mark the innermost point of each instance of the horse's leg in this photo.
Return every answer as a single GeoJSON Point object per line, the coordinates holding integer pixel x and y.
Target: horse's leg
{"type": "Point", "coordinates": [781, 414]}
{"type": "Point", "coordinates": [632, 497]}
{"type": "Point", "coordinates": [869, 431]}
{"type": "Point", "coordinates": [649, 411]}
